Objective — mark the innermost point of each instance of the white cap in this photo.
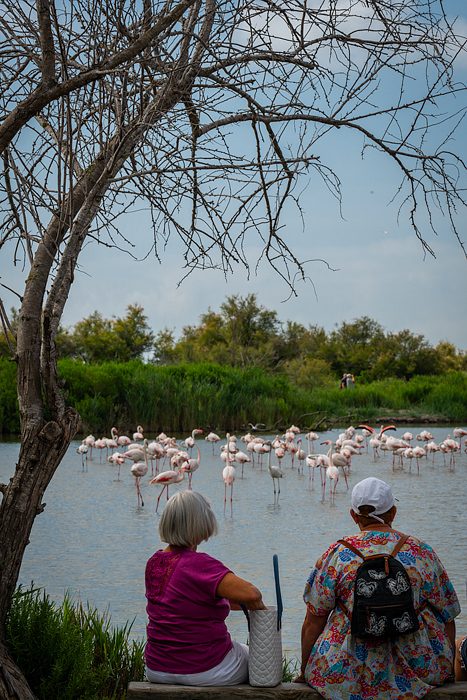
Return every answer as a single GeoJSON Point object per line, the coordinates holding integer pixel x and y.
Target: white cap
{"type": "Point", "coordinates": [372, 492]}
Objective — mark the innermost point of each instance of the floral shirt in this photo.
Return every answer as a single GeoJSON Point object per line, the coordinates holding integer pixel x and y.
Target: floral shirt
{"type": "Point", "coordinates": [345, 667]}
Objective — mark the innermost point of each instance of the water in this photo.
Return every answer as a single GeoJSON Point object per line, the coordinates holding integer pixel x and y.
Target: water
{"type": "Point", "coordinates": [94, 540]}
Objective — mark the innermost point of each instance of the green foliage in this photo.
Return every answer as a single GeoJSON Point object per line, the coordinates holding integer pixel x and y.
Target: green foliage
{"type": "Point", "coordinates": [290, 669]}
{"type": "Point", "coordinates": [96, 339]}
{"type": "Point", "coordinates": [9, 410]}
{"type": "Point", "coordinates": [70, 652]}
{"type": "Point", "coordinates": [177, 397]}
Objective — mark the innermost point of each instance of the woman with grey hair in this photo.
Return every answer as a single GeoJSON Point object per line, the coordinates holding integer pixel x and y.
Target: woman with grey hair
{"type": "Point", "coordinates": [189, 596]}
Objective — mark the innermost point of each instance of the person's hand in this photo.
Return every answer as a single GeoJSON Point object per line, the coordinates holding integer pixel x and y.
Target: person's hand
{"type": "Point", "coordinates": [299, 679]}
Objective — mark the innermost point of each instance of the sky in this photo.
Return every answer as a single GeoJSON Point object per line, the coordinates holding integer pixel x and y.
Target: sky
{"type": "Point", "coordinates": [375, 266]}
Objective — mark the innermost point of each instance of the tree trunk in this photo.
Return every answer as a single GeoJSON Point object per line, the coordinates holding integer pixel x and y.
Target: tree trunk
{"type": "Point", "coordinates": [41, 452]}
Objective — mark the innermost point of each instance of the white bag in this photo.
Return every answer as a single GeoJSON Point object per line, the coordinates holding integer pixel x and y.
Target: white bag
{"type": "Point", "coordinates": [265, 661]}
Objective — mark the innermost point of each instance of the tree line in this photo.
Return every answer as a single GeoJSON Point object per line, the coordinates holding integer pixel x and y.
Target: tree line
{"type": "Point", "coordinates": [245, 334]}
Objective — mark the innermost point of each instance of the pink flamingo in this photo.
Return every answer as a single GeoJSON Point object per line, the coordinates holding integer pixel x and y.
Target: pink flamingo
{"type": "Point", "coordinates": [212, 438]}
{"type": "Point", "coordinates": [311, 437]}
{"type": "Point", "coordinates": [332, 473]}
{"type": "Point", "coordinates": [119, 459]}
{"type": "Point", "coordinates": [166, 478]}
{"type": "Point", "coordinates": [293, 448]}
{"type": "Point", "coordinates": [228, 474]}
{"type": "Point", "coordinates": [301, 456]}
{"type": "Point", "coordinates": [241, 458]}
{"type": "Point", "coordinates": [193, 464]}
{"type": "Point", "coordinates": [140, 469]}
{"type": "Point", "coordinates": [276, 473]}
{"type": "Point", "coordinates": [139, 434]}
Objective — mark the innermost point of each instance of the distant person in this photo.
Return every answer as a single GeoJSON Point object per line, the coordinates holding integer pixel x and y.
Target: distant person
{"type": "Point", "coordinates": [337, 662]}
{"type": "Point", "coordinates": [189, 596]}
{"type": "Point", "coordinates": [343, 384]}
{"type": "Point", "coordinates": [349, 381]}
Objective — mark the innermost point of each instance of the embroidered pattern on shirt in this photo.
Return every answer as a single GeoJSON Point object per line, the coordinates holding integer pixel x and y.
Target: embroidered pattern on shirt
{"type": "Point", "coordinates": [159, 569]}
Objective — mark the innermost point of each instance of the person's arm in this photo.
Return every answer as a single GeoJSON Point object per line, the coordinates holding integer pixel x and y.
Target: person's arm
{"type": "Point", "coordinates": [312, 627]}
{"type": "Point", "coordinates": [236, 590]}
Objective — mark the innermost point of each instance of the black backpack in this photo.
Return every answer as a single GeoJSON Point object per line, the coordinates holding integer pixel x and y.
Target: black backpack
{"type": "Point", "coordinates": [383, 598]}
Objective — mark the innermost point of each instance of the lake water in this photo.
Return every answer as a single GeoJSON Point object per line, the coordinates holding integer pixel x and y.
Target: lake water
{"type": "Point", "coordinates": [94, 540]}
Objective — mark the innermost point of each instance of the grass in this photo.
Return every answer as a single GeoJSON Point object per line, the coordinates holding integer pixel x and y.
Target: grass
{"type": "Point", "coordinates": [71, 652]}
{"type": "Point", "coordinates": [290, 669]}
{"type": "Point", "coordinates": [177, 398]}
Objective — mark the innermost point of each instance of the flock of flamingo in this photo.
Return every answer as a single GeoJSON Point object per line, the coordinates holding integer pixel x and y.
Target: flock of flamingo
{"type": "Point", "coordinates": [331, 464]}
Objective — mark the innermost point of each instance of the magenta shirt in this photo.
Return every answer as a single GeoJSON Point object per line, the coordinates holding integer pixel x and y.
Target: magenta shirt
{"type": "Point", "coordinates": [186, 629]}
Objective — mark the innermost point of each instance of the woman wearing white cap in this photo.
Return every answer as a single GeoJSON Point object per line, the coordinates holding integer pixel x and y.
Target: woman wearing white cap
{"type": "Point", "coordinates": [341, 665]}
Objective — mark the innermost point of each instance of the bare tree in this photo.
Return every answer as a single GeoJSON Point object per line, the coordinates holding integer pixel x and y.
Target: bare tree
{"type": "Point", "coordinates": [208, 113]}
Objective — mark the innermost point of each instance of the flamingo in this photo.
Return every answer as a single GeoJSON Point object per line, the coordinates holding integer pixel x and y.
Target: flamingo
{"type": "Point", "coordinates": [301, 455]}
{"type": "Point", "coordinates": [90, 441]}
{"type": "Point", "coordinates": [228, 474]}
{"type": "Point", "coordinates": [123, 441]}
{"type": "Point", "coordinates": [432, 447]}
{"type": "Point", "coordinates": [212, 438]}
{"type": "Point", "coordinates": [418, 452]}
{"type": "Point", "coordinates": [260, 448]}
{"type": "Point", "coordinates": [311, 437]}
{"type": "Point", "coordinates": [83, 451]}
{"type": "Point", "coordinates": [112, 441]}
{"type": "Point", "coordinates": [332, 473]}
{"type": "Point", "coordinates": [293, 448]}
{"type": "Point", "coordinates": [136, 454]}
{"type": "Point", "coordinates": [459, 433]}
{"type": "Point", "coordinates": [193, 463]}
{"type": "Point", "coordinates": [117, 458]}
{"type": "Point", "coordinates": [241, 458]}
{"type": "Point", "coordinates": [189, 442]}
{"type": "Point", "coordinates": [139, 469]}
{"type": "Point", "coordinates": [275, 473]}
{"type": "Point", "coordinates": [166, 478]}
{"type": "Point", "coordinates": [337, 459]}
{"type": "Point", "coordinates": [139, 434]}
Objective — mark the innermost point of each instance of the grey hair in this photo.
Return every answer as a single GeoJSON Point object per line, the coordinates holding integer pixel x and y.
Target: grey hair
{"type": "Point", "coordinates": [187, 520]}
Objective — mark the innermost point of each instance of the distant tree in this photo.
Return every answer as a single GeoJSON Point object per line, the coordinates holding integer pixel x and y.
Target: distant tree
{"type": "Point", "coordinates": [134, 336]}
{"type": "Point", "coordinates": [96, 339]}
{"type": "Point", "coordinates": [449, 358]}
{"type": "Point", "coordinates": [353, 347]}
{"type": "Point", "coordinates": [404, 355]}
{"type": "Point", "coordinates": [311, 373]}
{"type": "Point", "coordinates": [165, 351]}
{"type": "Point", "coordinates": [250, 331]}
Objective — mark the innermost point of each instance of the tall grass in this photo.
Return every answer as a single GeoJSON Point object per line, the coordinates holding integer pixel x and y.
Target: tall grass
{"type": "Point", "coordinates": [177, 398]}
{"type": "Point", "coordinates": [70, 652]}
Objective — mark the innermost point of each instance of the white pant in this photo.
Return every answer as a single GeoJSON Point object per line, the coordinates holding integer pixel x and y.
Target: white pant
{"type": "Point", "coordinates": [232, 670]}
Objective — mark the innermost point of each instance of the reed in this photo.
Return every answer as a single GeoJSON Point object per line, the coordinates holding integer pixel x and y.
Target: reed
{"type": "Point", "coordinates": [71, 652]}
{"type": "Point", "coordinates": [177, 398]}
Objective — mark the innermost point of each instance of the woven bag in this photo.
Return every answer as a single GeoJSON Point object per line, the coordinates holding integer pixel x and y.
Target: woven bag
{"type": "Point", "coordinates": [265, 661]}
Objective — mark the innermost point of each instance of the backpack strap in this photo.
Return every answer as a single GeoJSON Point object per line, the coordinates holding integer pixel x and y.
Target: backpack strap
{"type": "Point", "coordinates": [402, 540]}
{"type": "Point", "coordinates": [352, 548]}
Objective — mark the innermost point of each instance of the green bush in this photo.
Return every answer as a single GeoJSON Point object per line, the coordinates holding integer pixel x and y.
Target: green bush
{"type": "Point", "coordinates": [70, 652]}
